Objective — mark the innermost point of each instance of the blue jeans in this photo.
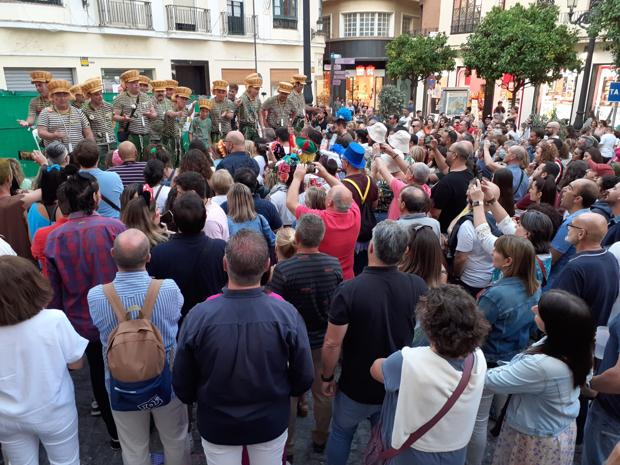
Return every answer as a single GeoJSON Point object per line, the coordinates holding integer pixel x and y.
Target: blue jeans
{"type": "Point", "coordinates": [347, 414]}
{"type": "Point", "coordinates": [602, 433]}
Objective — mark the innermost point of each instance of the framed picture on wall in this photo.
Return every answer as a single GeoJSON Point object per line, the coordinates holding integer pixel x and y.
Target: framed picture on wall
{"type": "Point", "coordinates": [454, 101]}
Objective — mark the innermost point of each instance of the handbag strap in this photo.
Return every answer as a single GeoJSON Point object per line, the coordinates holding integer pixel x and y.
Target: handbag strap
{"type": "Point", "coordinates": [422, 430]}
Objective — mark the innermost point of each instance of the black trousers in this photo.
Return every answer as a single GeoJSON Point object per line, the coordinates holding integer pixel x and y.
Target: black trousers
{"type": "Point", "coordinates": [94, 355]}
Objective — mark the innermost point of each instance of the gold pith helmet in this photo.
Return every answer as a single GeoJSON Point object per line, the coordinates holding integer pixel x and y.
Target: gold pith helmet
{"type": "Point", "coordinates": [76, 90]}
{"type": "Point", "coordinates": [131, 75]}
{"type": "Point", "coordinates": [253, 80]}
{"type": "Point", "coordinates": [92, 85]}
{"type": "Point", "coordinates": [183, 92]}
{"type": "Point", "coordinates": [205, 103]}
{"type": "Point", "coordinates": [285, 87]}
{"type": "Point", "coordinates": [159, 85]}
{"type": "Point", "coordinates": [299, 79]}
{"type": "Point", "coordinates": [40, 76]}
{"type": "Point", "coordinates": [144, 80]}
{"type": "Point", "coordinates": [57, 86]}
{"type": "Point", "coordinates": [171, 84]}
{"type": "Point", "coordinates": [220, 85]}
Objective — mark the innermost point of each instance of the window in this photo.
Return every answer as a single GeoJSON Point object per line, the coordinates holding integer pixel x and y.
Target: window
{"type": "Point", "coordinates": [465, 16]}
{"type": "Point", "coordinates": [285, 14]}
{"type": "Point", "coordinates": [326, 26]}
{"type": "Point", "coordinates": [407, 24]}
{"type": "Point", "coordinates": [368, 24]}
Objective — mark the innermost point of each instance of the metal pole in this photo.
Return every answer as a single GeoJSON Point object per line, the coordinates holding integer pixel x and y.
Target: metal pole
{"type": "Point", "coordinates": [307, 60]}
{"type": "Point", "coordinates": [331, 80]}
{"type": "Point", "coordinates": [255, 32]}
{"type": "Point", "coordinates": [585, 84]}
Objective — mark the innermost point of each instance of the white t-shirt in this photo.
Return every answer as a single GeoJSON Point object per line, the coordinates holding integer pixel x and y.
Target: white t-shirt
{"type": "Point", "coordinates": [216, 226]}
{"type": "Point", "coordinates": [479, 265]}
{"type": "Point", "coordinates": [161, 197]}
{"type": "Point", "coordinates": [34, 378]}
{"type": "Point", "coordinates": [607, 144]}
{"type": "Point", "coordinates": [5, 248]}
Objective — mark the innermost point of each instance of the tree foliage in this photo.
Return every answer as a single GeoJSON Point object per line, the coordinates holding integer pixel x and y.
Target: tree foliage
{"type": "Point", "coordinates": [605, 20]}
{"type": "Point", "coordinates": [524, 42]}
{"type": "Point", "coordinates": [416, 57]}
{"type": "Point", "coordinates": [391, 100]}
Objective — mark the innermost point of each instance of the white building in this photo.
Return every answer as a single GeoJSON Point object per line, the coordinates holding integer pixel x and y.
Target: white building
{"type": "Point", "coordinates": [193, 41]}
{"type": "Point", "coordinates": [460, 17]}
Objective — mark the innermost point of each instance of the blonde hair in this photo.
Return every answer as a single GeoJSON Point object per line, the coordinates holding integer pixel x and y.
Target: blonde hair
{"type": "Point", "coordinates": [418, 154]}
{"type": "Point", "coordinates": [523, 257]}
{"type": "Point", "coordinates": [285, 243]}
{"type": "Point", "coordinates": [240, 203]}
{"type": "Point", "coordinates": [250, 147]}
{"type": "Point", "coordinates": [315, 198]}
{"type": "Point", "coordinates": [221, 182]}
{"type": "Point", "coordinates": [137, 214]}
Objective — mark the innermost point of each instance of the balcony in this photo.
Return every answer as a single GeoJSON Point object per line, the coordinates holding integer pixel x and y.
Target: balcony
{"type": "Point", "coordinates": [429, 31]}
{"type": "Point", "coordinates": [135, 14]}
{"type": "Point", "coordinates": [43, 2]}
{"type": "Point", "coordinates": [236, 25]}
{"type": "Point", "coordinates": [465, 20]}
{"type": "Point", "coordinates": [187, 18]}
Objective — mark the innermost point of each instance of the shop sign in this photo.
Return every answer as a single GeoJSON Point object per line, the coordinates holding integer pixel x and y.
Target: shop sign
{"type": "Point", "coordinates": [614, 92]}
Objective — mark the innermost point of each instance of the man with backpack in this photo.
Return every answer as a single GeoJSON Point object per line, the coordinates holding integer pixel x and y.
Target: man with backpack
{"type": "Point", "coordinates": [137, 318]}
{"type": "Point", "coordinates": [365, 194]}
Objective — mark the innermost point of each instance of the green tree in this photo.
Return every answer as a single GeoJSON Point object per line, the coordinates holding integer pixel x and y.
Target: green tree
{"type": "Point", "coordinates": [417, 57]}
{"type": "Point", "coordinates": [527, 43]}
{"type": "Point", "coordinates": [605, 20]}
{"type": "Point", "coordinates": [391, 100]}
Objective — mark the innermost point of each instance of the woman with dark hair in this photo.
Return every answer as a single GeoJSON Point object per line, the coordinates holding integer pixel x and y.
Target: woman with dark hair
{"type": "Point", "coordinates": [277, 194]}
{"type": "Point", "coordinates": [195, 160]}
{"type": "Point", "coordinates": [544, 381]}
{"type": "Point", "coordinates": [537, 227]}
{"type": "Point", "coordinates": [45, 212]}
{"type": "Point", "coordinates": [506, 306]}
{"type": "Point", "coordinates": [543, 190]}
{"type": "Point", "coordinates": [38, 347]}
{"type": "Point", "coordinates": [503, 179]}
{"type": "Point", "coordinates": [424, 256]}
{"type": "Point", "coordinates": [419, 380]}
{"type": "Point", "coordinates": [575, 170]}
{"type": "Point", "coordinates": [154, 176]}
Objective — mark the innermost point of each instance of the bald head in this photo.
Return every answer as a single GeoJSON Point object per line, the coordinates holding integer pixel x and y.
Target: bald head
{"type": "Point", "coordinates": [127, 151]}
{"type": "Point", "coordinates": [595, 227]}
{"type": "Point", "coordinates": [131, 250]}
{"type": "Point", "coordinates": [339, 198]}
{"type": "Point", "coordinates": [237, 140]}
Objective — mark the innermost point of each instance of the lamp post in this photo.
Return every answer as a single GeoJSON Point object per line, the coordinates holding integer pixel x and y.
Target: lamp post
{"type": "Point", "coordinates": [307, 49]}
{"type": "Point", "coordinates": [583, 21]}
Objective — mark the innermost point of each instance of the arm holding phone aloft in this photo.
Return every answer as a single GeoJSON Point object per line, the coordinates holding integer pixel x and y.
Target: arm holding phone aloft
{"type": "Point", "coordinates": [436, 155]}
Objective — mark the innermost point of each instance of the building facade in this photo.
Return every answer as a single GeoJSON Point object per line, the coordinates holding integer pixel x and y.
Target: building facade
{"type": "Point", "coordinates": [193, 41]}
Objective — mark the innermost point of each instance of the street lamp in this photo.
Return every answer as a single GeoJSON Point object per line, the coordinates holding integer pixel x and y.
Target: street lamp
{"type": "Point", "coordinates": [307, 52]}
{"type": "Point", "coordinates": [583, 21]}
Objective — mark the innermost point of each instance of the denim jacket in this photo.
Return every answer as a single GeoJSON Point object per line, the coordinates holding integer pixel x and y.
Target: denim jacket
{"type": "Point", "coordinates": [507, 307]}
{"type": "Point", "coordinates": [544, 401]}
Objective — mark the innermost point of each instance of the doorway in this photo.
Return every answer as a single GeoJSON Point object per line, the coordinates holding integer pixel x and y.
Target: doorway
{"type": "Point", "coordinates": [192, 74]}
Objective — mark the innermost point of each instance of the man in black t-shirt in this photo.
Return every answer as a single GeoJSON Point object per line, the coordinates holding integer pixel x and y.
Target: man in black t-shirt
{"type": "Point", "coordinates": [449, 195]}
{"type": "Point", "coordinates": [308, 280]}
{"type": "Point", "coordinates": [371, 316]}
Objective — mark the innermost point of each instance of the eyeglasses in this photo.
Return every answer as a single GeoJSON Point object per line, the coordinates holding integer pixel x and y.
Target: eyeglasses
{"type": "Point", "coordinates": [570, 225]}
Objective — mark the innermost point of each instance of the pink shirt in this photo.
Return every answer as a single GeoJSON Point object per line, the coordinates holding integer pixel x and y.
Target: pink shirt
{"type": "Point", "coordinates": [341, 231]}
{"type": "Point", "coordinates": [396, 186]}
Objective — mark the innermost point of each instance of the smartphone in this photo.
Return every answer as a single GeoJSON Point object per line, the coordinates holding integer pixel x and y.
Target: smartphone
{"type": "Point", "coordinates": [428, 140]}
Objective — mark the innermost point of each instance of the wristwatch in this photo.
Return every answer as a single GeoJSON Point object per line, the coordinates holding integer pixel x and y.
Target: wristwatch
{"type": "Point", "coordinates": [327, 380]}
{"type": "Point", "coordinates": [476, 203]}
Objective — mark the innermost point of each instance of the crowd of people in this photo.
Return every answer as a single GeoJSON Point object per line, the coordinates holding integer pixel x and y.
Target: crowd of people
{"type": "Point", "coordinates": [445, 278]}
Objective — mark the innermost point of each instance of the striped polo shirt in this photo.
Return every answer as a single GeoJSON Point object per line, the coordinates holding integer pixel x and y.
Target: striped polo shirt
{"type": "Point", "coordinates": [101, 122]}
{"type": "Point", "coordinates": [139, 123]}
{"type": "Point", "coordinates": [130, 172]}
{"type": "Point", "coordinates": [72, 123]}
{"type": "Point", "coordinates": [37, 104]}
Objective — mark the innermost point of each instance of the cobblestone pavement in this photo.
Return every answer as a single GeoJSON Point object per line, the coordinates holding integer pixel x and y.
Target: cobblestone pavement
{"type": "Point", "coordinates": [95, 449]}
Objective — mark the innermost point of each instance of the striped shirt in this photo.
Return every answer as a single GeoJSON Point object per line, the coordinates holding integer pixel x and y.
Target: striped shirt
{"type": "Point", "coordinates": [131, 287]}
{"type": "Point", "coordinates": [124, 103]}
{"type": "Point", "coordinates": [298, 102]}
{"type": "Point", "coordinates": [308, 281]}
{"type": "Point", "coordinates": [72, 123]}
{"type": "Point", "coordinates": [249, 110]}
{"type": "Point", "coordinates": [157, 125]}
{"type": "Point", "coordinates": [130, 172]}
{"type": "Point", "coordinates": [101, 122]}
{"type": "Point", "coordinates": [37, 104]}
{"type": "Point", "coordinates": [278, 113]}
{"type": "Point", "coordinates": [221, 125]}
{"type": "Point", "coordinates": [173, 125]}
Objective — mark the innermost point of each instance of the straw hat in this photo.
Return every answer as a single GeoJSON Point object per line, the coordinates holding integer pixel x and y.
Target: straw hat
{"type": "Point", "coordinates": [40, 76]}
{"type": "Point", "coordinates": [220, 85]}
{"type": "Point", "coordinates": [183, 92]}
{"type": "Point", "coordinates": [92, 85]}
{"type": "Point", "coordinates": [205, 103]}
{"type": "Point", "coordinates": [77, 90]}
{"type": "Point", "coordinates": [131, 75]}
{"type": "Point", "coordinates": [299, 78]}
{"type": "Point", "coordinates": [144, 79]}
{"type": "Point", "coordinates": [253, 80]}
{"type": "Point", "coordinates": [171, 84]}
{"type": "Point", "coordinates": [159, 85]}
{"type": "Point", "coordinates": [285, 87]}
{"type": "Point", "coordinates": [57, 86]}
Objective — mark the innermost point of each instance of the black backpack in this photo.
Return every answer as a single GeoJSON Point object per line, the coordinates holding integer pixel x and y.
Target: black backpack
{"type": "Point", "coordinates": [369, 221]}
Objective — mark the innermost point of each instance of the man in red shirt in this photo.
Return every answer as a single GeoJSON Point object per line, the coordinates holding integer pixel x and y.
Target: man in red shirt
{"type": "Point", "coordinates": [341, 217]}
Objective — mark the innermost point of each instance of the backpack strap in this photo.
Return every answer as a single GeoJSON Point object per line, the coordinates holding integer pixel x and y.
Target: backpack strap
{"type": "Point", "coordinates": [115, 302]}
{"type": "Point", "coordinates": [150, 298]}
